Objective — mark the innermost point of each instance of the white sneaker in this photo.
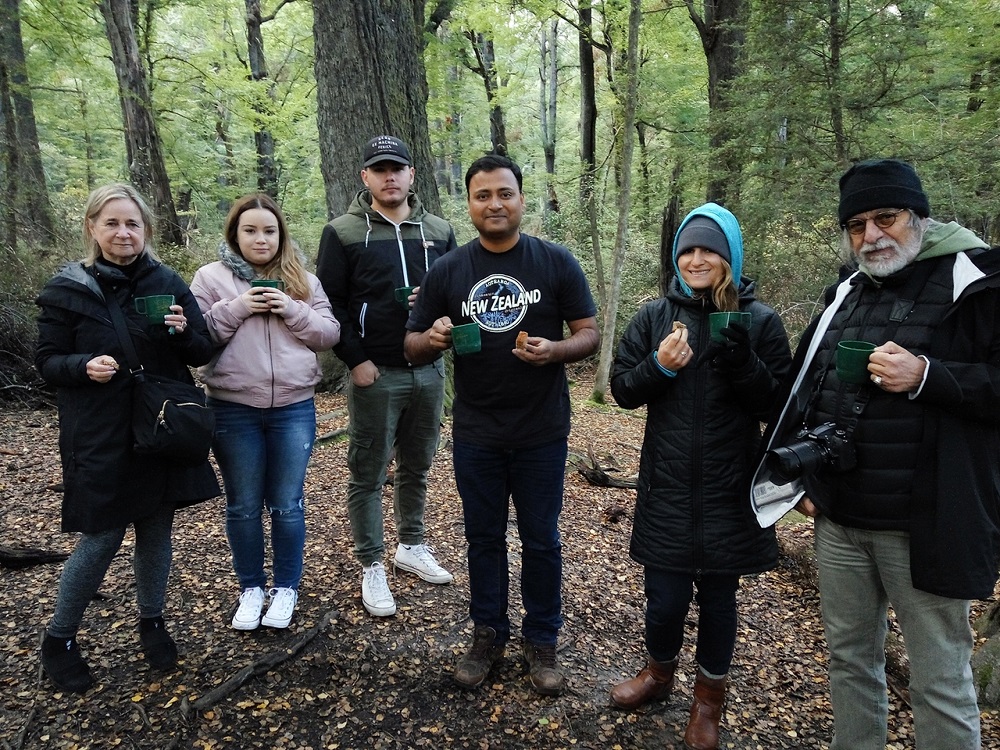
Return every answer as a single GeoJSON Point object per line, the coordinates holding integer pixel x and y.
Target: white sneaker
{"type": "Point", "coordinates": [375, 592]}
{"type": "Point", "coordinates": [419, 559]}
{"type": "Point", "coordinates": [279, 614]}
{"type": "Point", "coordinates": [247, 615]}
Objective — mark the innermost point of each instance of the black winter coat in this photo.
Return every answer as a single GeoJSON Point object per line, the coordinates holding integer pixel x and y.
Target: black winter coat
{"type": "Point", "coordinates": [107, 485]}
{"type": "Point", "coordinates": [955, 504]}
{"type": "Point", "coordinates": [692, 512]}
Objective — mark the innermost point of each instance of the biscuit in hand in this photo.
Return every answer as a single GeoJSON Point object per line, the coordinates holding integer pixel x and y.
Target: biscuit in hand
{"type": "Point", "coordinates": [677, 326]}
{"type": "Point", "coordinates": [522, 340]}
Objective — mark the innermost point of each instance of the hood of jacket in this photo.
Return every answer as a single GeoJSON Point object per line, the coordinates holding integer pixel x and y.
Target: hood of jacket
{"type": "Point", "coordinates": [730, 227]}
{"type": "Point", "coordinates": [362, 206]}
{"type": "Point", "coordinates": [947, 239]}
{"type": "Point", "coordinates": [76, 274]}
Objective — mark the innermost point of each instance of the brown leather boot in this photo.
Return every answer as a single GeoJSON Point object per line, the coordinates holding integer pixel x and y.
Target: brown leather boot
{"type": "Point", "coordinates": [654, 682]}
{"type": "Point", "coordinates": [702, 731]}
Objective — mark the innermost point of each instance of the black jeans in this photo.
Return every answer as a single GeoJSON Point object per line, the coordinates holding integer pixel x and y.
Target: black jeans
{"type": "Point", "coordinates": [668, 597]}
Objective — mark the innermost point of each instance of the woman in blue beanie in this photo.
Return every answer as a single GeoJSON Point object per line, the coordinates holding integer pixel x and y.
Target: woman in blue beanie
{"type": "Point", "coordinates": [693, 530]}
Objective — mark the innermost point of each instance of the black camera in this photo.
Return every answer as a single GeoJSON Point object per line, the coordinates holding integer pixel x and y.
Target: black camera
{"type": "Point", "coordinates": [826, 444]}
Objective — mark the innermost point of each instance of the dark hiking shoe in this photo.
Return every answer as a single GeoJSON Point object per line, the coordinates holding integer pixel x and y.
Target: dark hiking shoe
{"type": "Point", "coordinates": [64, 664]}
{"type": "Point", "coordinates": [474, 666]}
{"type": "Point", "coordinates": [157, 645]}
{"type": "Point", "coordinates": [542, 669]}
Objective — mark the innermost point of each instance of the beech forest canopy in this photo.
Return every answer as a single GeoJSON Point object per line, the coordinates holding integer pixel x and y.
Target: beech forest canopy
{"type": "Point", "coordinates": [759, 104]}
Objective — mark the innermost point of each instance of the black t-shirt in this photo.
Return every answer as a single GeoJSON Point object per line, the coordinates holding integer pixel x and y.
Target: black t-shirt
{"type": "Point", "coordinates": [535, 287]}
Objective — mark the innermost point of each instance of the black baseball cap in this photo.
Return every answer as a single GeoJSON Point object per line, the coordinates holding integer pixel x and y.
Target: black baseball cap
{"type": "Point", "coordinates": [386, 148]}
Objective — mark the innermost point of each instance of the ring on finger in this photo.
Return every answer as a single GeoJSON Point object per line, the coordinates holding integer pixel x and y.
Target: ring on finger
{"type": "Point", "coordinates": [877, 380]}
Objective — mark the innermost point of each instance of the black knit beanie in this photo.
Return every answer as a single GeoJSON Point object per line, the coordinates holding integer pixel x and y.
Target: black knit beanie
{"type": "Point", "coordinates": [701, 231]}
{"type": "Point", "coordinates": [881, 183]}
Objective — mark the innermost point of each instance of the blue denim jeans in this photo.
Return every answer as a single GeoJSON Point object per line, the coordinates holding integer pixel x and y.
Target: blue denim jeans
{"type": "Point", "coordinates": [668, 598]}
{"type": "Point", "coordinates": [402, 411]}
{"type": "Point", "coordinates": [861, 573]}
{"type": "Point", "coordinates": [488, 479]}
{"type": "Point", "coordinates": [263, 455]}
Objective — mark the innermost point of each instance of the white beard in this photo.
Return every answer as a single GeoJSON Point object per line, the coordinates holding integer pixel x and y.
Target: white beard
{"type": "Point", "coordinates": [883, 265]}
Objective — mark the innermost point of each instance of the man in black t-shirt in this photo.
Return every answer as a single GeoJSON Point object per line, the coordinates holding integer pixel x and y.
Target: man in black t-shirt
{"type": "Point", "coordinates": [511, 409]}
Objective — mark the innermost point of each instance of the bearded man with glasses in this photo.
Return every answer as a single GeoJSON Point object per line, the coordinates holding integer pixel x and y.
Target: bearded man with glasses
{"type": "Point", "coordinates": [907, 514]}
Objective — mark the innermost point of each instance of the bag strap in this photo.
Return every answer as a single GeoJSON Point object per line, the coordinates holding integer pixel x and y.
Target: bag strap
{"type": "Point", "coordinates": [118, 319]}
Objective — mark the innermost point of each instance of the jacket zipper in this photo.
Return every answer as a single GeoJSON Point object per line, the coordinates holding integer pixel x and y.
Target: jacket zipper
{"type": "Point", "coordinates": [697, 449]}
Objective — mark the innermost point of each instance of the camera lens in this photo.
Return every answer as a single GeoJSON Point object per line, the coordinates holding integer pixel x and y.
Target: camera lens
{"type": "Point", "coordinates": [792, 461]}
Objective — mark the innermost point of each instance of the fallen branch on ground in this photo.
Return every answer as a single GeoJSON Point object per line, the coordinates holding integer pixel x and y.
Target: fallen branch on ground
{"type": "Point", "coordinates": [591, 470]}
{"type": "Point", "coordinates": [16, 558]}
{"type": "Point", "coordinates": [259, 667]}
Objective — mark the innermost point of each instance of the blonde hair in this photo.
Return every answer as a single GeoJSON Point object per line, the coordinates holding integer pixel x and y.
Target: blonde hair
{"type": "Point", "coordinates": [97, 200]}
{"type": "Point", "coordinates": [286, 263]}
{"type": "Point", "coordinates": [725, 294]}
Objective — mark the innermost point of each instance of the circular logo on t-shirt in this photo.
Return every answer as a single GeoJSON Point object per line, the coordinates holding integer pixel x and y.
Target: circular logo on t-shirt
{"type": "Point", "coordinates": [499, 303]}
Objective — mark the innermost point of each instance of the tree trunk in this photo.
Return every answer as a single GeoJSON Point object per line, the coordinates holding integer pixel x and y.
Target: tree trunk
{"type": "Point", "coordinates": [588, 102]}
{"type": "Point", "coordinates": [834, 74]}
{"type": "Point", "coordinates": [548, 72]}
{"type": "Point", "coordinates": [449, 164]}
{"type": "Point", "coordinates": [31, 195]}
{"type": "Point", "coordinates": [588, 142]}
{"type": "Point", "coordinates": [629, 105]}
{"type": "Point", "coordinates": [267, 172]}
{"type": "Point", "coordinates": [671, 222]}
{"type": "Point", "coordinates": [440, 14]}
{"type": "Point", "coordinates": [640, 135]}
{"type": "Point", "coordinates": [88, 138]}
{"type": "Point", "coordinates": [370, 81]}
{"type": "Point", "coordinates": [146, 166]}
{"type": "Point", "coordinates": [486, 69]}
{"type": "Point", "coordinates": [8, 168]}
{"type": "Point", "coordinates": [722, 32]}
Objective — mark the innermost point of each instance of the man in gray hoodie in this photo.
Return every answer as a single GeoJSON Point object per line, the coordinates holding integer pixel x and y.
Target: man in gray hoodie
{"type": "Point", "coordinates": [371, 263]}
{"type": "Point", "coordinates": [900, 470]}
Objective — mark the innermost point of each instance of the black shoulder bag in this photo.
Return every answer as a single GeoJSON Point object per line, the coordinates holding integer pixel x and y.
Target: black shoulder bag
{"type": "Point", "coordinates": [169, 417]}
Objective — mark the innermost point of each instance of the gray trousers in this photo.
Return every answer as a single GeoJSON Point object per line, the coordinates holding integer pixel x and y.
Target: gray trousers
{"type": "Point", "coordinates": [86, 567]}
{"type": "Point", "coordinates": [862, 573]}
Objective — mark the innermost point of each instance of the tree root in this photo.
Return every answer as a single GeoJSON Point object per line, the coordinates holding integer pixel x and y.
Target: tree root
{"type": "Point", "coordinates": [259, 667]}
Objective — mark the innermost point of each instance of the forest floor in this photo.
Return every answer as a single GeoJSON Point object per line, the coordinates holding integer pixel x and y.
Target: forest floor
{"type": "Point", "coordinates": [339, 678]}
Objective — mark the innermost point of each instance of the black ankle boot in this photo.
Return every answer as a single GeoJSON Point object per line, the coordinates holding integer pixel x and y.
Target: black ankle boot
{"type": "Point", "coordinates": [64, 664]}
{"type": "Point", "coordinates": [157, 645]}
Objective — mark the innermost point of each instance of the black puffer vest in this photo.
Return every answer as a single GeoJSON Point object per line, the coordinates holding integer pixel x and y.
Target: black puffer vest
{"type": "Point", "coordinates": [905, 308]}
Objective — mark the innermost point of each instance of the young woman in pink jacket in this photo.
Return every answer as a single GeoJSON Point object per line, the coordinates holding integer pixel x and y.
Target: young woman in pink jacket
{"type": "Point", "coordinates": [267, 317]}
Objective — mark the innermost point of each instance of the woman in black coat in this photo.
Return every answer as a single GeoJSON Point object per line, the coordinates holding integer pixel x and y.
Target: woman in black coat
{"type": "Point", "coordinates": [693, 528]}
{"type": "Point", "coordinates": [107, 486]}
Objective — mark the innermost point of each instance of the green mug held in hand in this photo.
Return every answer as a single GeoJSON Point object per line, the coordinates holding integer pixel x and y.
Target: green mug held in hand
{"type": "Point", "coordinates": [719, 320]}
{"type": "Point", "coordinates": [852, 361]}
{"type": "Point", "coordinates": [402, 295]}
{"type": "Point", "coordinates": [154, 307]}
{"type": "Point", "coordinates": [466, 338]}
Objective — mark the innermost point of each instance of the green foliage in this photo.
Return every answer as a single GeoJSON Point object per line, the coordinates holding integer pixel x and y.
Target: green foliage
{"type": "Point", "coordinates": [185, 260]}
{"type": "Point", "coordinates": [917, 80]}
{"type": "Point", "coordinates": [22, 275]}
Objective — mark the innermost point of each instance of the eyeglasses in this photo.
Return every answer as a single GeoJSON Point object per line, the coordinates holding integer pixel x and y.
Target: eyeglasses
{"type": "Point", "coordinates": [883, 220]}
